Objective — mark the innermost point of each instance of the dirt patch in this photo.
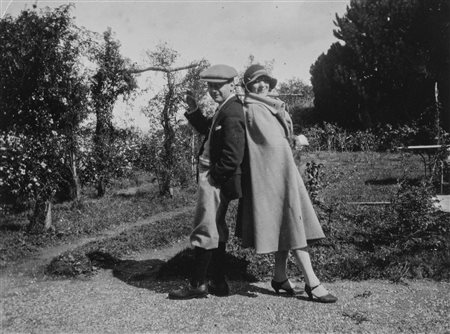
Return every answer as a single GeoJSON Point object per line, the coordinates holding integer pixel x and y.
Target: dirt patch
{"type": "Point", "coordinates": [73, 260]}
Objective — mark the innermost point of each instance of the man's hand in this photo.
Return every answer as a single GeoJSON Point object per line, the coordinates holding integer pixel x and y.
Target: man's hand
{"type": "Point", "coordinates": [190, 101]}
{"type": "Point", "coordinates": [211, 180]}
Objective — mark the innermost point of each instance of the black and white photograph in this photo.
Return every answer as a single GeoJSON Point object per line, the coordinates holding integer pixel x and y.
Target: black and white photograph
{"type": "Point", "coordinates": [221, 166]}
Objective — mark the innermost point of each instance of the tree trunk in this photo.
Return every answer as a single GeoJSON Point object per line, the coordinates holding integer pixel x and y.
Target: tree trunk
{"type": "Point", "coordinates": [165, 188]}
{"type": "Point", "coordinates": [169, 139]}
{"type": "Point", "coordinates": [41, 217]}
{"type": "Point", "coordinates": [168, 161]}
{"type": "Point", "coordinates": [102, 141]}
{"type": "Point", "coordinates": [193, 155]}
{"type": "Point", "coordinates": [101, 187]}
{"type": "Point", "coordinates": [75, 184]}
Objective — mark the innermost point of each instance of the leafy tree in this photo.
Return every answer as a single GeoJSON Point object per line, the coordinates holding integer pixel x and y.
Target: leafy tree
{"type": "Point", "coordinates": [251, 60]}
{"type": "Point", "coordinates": [125, 146]}
{"type": "Point", "coordinates": [296, 93]}
{"type": "Point", "coordinates": [43, 94]}
{"type": "Point", "coordinates": [392, 55]}
{"type": "Point", "coordinates": [299, 99]}
{"type": "Point", "coordinates": [111, 80]}
{"type": "Point", "coordinates": [190, 139]}
{"type": "Point", "coordinates": [166, 105]}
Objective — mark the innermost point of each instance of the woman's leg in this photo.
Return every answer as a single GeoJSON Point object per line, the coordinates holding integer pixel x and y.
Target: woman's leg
{"type": "Point", "coordinates": [281, 259]}
{"type": "Point", "coordinates": [304, 262]}
{"type": "Point", "coordinates": [280, 279]}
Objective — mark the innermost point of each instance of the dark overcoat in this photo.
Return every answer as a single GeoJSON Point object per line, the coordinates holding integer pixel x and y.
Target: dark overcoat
{"type": "Point", "coordinates": [227, 144]}
{"type": "Point", "coordinates": [275, 211]}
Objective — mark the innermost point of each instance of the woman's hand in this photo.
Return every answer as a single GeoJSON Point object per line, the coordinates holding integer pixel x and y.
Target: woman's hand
{"type": "Point", "coordinates": [300, 141]}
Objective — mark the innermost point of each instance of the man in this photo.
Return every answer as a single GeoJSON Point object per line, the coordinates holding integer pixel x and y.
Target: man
{"type": "Point", "coordinates": [219, 179]}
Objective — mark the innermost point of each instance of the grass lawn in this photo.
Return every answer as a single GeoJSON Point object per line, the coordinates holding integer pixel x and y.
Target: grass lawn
{"type": "Point", "coordinates": [89, 217]}
{"type": "Point", "coordinates": [361, 177]}
{"type": "Point", "coordinates": [406, 239]}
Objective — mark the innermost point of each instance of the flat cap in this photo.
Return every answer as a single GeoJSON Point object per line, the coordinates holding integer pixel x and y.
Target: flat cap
{"type": "Point", "coordinates": [218, 73]}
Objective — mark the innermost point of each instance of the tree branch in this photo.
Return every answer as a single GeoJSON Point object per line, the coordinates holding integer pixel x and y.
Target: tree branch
{"type": "Point", "coordinates": [163, 69]}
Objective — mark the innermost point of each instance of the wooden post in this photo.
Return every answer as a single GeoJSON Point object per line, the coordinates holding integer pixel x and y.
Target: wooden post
{"type": "Point", "coordinates": [438, 112]}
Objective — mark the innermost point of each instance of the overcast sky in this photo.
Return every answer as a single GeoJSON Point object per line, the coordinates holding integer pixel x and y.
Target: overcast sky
{"type": "Point", "coordinates": [293, 33]}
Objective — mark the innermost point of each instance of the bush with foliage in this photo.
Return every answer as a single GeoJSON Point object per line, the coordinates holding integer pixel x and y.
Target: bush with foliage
{"type": "Point", "coordinates": [184, 150]}
{"type": "Point", "coordinates": [30, 171]}
{"type": "Point", "coordinates": [416, 226]}
{"type": "Point", "coordinates": [408, 239]}
{"type": "Point", "coordinates": [122, 156]}
{"type": "Point", "coordinates": [331, 137]}
{"type": "Point", "coordinates": [313, 181]}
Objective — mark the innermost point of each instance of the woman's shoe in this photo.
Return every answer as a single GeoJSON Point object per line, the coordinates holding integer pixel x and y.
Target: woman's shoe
{"type": "Point", "coordinates": [277, 286]}
{"type": "Point", "coordinates": [328, 298]}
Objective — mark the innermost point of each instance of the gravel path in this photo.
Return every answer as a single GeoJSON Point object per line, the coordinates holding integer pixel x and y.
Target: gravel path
{"type": "Point", "coordinates": [127, 300]}
{"type": "Point", "coordinates": [106, 303]}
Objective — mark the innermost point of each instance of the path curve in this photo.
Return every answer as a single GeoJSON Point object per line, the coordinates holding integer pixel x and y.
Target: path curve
{"type": "Point", "coordinates": [33, 265]}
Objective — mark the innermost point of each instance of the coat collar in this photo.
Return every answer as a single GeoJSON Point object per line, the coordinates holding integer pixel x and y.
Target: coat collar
{"type": "Point", "coordinates": [226, 102]}
{"type": "Point", "coordinates": [223, 106]}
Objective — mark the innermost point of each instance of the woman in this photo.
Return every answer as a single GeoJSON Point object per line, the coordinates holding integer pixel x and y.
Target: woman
{"type": "Point", "coordinates": [276, 213]}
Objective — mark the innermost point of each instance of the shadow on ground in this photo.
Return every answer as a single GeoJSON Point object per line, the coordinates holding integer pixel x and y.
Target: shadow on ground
{"type": "Point", "coordinates": [161, 276]}
{"type": "Point", "coordinates": [381, 182]}
{"type": "Point", "coordinates": [391, 181]}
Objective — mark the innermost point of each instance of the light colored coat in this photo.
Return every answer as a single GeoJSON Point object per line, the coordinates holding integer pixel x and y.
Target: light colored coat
{"type": "Point", "coordinates": [275, 212]}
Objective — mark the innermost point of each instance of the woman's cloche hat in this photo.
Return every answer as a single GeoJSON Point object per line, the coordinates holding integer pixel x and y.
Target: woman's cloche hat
{"type": "Point", "coordinates": [254, 72]}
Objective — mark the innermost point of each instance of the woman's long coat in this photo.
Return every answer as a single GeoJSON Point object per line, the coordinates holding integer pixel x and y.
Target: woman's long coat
{"type": "Point", "coordinates": [275, 212]}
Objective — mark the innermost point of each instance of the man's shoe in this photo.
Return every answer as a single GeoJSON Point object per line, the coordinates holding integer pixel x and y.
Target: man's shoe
{"type": "Point", "coordinates": [220, 289]}
{"type": "Point", "coordinates": [189, 292]}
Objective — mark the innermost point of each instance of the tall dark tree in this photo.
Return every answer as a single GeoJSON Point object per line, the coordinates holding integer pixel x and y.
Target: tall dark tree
{"type": "Point", "coordinates": [394, 60]}
{"type": "Point", "coordinates": [433, 33]}
{"type": "Point", "coordinates": [111, 80]}
{"type": "Point", "coordinates": [337, 94]}
{"type": "Point", "coordinates": [43, 95]}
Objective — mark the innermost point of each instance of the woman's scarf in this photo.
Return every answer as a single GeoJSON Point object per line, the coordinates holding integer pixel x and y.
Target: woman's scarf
{"type": "Point", "coordinates": [276, 107]}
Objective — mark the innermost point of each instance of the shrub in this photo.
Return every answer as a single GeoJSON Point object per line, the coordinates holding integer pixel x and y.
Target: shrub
{"type": "Point", "coordinates": [70, 264]}
{"type": "Point", "coordinates": [151, 157]}
{"type": "Point", "coordinates": [30, 173]}
{"type": "Point", "coordinates": [313, 180]}
{"type": "Point", "coordinates": [121, 156]}
{"type": "Point", "coordinates": [330, 137]}
{"type": "Point", "coordinates": [416, 223]}
{"type": "Point", "coordinates": [408, 239]}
